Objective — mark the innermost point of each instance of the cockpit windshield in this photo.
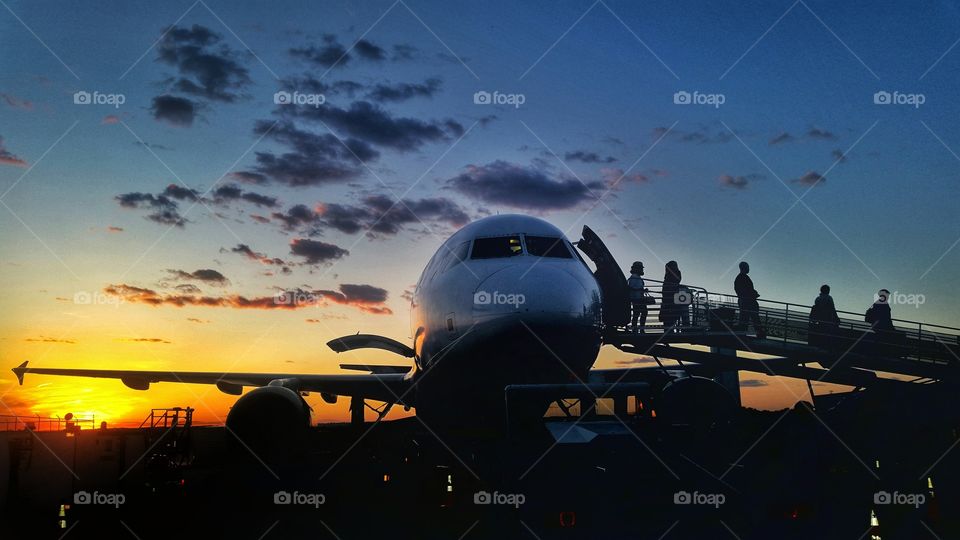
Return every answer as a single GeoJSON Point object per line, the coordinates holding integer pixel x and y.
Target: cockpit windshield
{"type": "Point", "coordinates": [498, 247]}
{"type": "Point", "coordinates": [545, 246]}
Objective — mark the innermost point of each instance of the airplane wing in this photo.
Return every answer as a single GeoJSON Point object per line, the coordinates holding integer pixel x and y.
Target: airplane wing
{"type": "Point", "coordinates": [386, 387]}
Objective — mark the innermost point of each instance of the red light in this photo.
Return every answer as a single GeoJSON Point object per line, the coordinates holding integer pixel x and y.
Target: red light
{"type": "Point", "coordinates": [568, 519]}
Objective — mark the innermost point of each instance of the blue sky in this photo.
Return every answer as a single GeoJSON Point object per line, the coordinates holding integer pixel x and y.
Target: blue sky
{"type": "Point", "coordinates": [702, 185]}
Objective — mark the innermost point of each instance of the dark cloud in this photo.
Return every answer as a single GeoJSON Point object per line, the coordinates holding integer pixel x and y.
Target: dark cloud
{"type": "Point", "coordinates": [368, 51]}
{"type": "Point", "coordinates": [284, 299]}
{"type": "Point", "coordinates": [16, 103]}
{"type": "Point", "coordinates": [261, 258]}
{"type": "Point", "coordinates": [316, 252]}
{"type": "Point", "coordinates": [181, 193]}
{"type": "Point", "coordinates": [405, 52]}
{"type": "Point", "coordinates": [838, 155]}
{"type": "Point", "coordinates": [810, 178]}
{"type": "Point", "coordinates": [8, 158]}
{"type": "Point", "coordinates": [314, 159]}
{"type": "Point", "coordinates": [817, 133]}
{"type": "Point", "coordinates": [366, 298]}
{"type": "Point", "coordinates": [43, 339]}
{"type": "Point", "coordinates": [146, 340]}
{"type": "Point", "coordinates": [737, 182]}
{"type": "Point", "coordinates": [372, 124]}
{"type": "Point", "coordinates": [114, 229]}
{"type": "Point", "coordinates": [380, 215]}
{"type": "Point", "coordinates": [701, 135]}
{"type": "Point", "coordinates": [206, 67]}
{"type": "Point", "coordinates": [206, 275]}
{"type": "Point", "coordinates": [296, 217]}
{"type": "Point", "coordinates": [328, 54]}
{"type": "Point", "coordinates": [163, 209]}
{"type": "Point", "coordinates": [753, 383]}
{"type": "Point", "coordinates": [308, 84]}
{"type": "Point", "coordinates": [404, 91]}
{"type": "Point", "coordinates": [229, 193]}
{"type": "Point", "coordinates": [515, 186]}
{"type": "Point", "coordinates": [176, 111]}
{"type": "Point", "coordinates": [587, 157]}
{"type": "Point", "coordinates": [783, 137]}
{"type": "Point", "coordinates": [188, 288]}
{"type": "Point", "coordinates": [615, 178]}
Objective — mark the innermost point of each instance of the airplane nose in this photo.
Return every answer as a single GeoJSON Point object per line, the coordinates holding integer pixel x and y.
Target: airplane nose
{"type": "Point", "coordinates": [534, 291]}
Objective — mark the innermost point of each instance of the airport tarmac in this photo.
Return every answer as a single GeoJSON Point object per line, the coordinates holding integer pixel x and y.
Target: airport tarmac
{"type": "Point", "coordinates": [802, 478]}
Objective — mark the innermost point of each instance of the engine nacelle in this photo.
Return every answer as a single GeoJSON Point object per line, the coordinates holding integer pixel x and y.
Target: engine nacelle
{"type": "Point", "coordinates": [695, 401]}
{"type": "Point", "coordinates": [269, 419]}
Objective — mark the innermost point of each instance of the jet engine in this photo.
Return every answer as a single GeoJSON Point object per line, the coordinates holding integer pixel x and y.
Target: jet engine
{"type": "Point", "coordinates": [695, 401]}
{"type": "Point", "coordinates": [269, 420]}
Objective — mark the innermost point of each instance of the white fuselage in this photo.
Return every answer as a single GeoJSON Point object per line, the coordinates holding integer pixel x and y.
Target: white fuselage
{"type": "Point", "coordinates": [505, 300]}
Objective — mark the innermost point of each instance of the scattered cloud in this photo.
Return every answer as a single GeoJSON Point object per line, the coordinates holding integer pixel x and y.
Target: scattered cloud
{"type": "Point", "coordinates": [163, 209]}
{"type": "Point", "coordinates": [508, 184]}
{"type": "Point", "coordinates": [587, 157]}
{"type": "Point", "coordinates": [372, 124]}
{"type": "Point", "coordinates": [810, 178]}
{"type": "Point", "coordinates": [331, 53]}
{"type": "Point", "coordinates": [404, 91]}
{"type": "Point", "coordinates": [783, 137]}
{"type": "Point", "coordinates": [838, 155]}
{"type": "Point", "coordinates": [110, 119]}
{"type": "Point", "coordinates": [114, 229]}
{"type": "Point", "coordinates": [366, 298]}
{"type": "Point", "coordinates": [702, 135]}
{"type": "Point", "coordinates": [16, 103]}
{"type": "Point", "coordinates": [205, 275]}
{"type": "Point", "coordinates": [173, 110]}
{"type": "Point", "coordinates": [43, 339]}
{"type": "Point", "coordinates": [316, 252]}
{"type": "Point", "coordinates": [817, 133]}
{"type": "Point", "coordinates": [753, 383]}
{"type": "Point", "coordinates": [737, 182]}
{"type": "Point", "coordinates": [145, 340]}
{"type": "Point", "coordinates": [261, 258]}
{"type": "Point", "coordinates": [8, 158]}
{"type": "Point", "coordinates": [381, 215]}
{"type": "Point", "coordinates": [206, 67]}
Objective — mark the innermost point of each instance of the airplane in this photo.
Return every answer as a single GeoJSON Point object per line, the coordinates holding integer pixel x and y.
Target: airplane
{"type": "Point", "coordinates": [507, 300]}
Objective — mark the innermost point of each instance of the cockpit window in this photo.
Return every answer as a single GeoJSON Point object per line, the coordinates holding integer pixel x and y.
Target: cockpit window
{"type": "Point", "coordinates": [545, 246]}
{"type": "Point", "coordinates": [495, 248]}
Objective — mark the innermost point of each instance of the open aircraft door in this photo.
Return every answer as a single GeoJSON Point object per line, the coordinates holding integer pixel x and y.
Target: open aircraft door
{"type": "Point", "coordinates": [610, 278]}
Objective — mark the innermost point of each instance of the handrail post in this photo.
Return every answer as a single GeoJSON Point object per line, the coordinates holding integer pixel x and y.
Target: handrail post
{"type": "Point", "coordinates": [786, 321]}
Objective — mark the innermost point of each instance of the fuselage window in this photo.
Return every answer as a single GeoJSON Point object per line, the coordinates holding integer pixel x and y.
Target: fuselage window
{"type": "Point", "coordinates": [495, 248]}
{"type": "Point", "coordinates": [545, 246]}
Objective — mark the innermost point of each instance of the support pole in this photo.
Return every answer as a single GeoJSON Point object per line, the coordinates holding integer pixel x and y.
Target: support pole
{"type": "Point", "coordinates": [356, 410]}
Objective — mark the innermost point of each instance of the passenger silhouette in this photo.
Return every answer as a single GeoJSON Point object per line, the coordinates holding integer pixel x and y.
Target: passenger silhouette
{"type": "Point", "coordinates": [669, 313]}
{"type": "Point", "coordinates": [824, 320]}
{"type": "Point", "coordinates": [639, 299]}
{"type": "Point", "coordinates": [879, 315]}
{"type": "Point", "coordinates": [747, 300]}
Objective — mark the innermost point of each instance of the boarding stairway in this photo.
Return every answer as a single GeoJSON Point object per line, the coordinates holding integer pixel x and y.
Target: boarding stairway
{"type": "Point", "coordinates": [854, 354]}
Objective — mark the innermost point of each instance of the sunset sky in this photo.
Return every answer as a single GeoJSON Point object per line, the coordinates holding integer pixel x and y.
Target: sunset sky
{"type": "Point", "coordinates": [153, 226]}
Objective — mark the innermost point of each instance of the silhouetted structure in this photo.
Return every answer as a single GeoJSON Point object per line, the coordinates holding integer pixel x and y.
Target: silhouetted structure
{"type": "Point", "coordinates": [747, 300]}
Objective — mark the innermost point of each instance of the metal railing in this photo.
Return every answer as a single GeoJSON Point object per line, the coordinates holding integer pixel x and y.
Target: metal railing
{"type": "Point", "coordinates": [11, 422]}
{"type": "Point", "coordinates": [167, 418]}
{"type": "Point", "coordinates": [704, 311]}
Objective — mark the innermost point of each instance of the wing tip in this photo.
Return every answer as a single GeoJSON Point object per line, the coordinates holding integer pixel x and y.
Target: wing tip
{"type": "Point", "coordinates": [20, 370]}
